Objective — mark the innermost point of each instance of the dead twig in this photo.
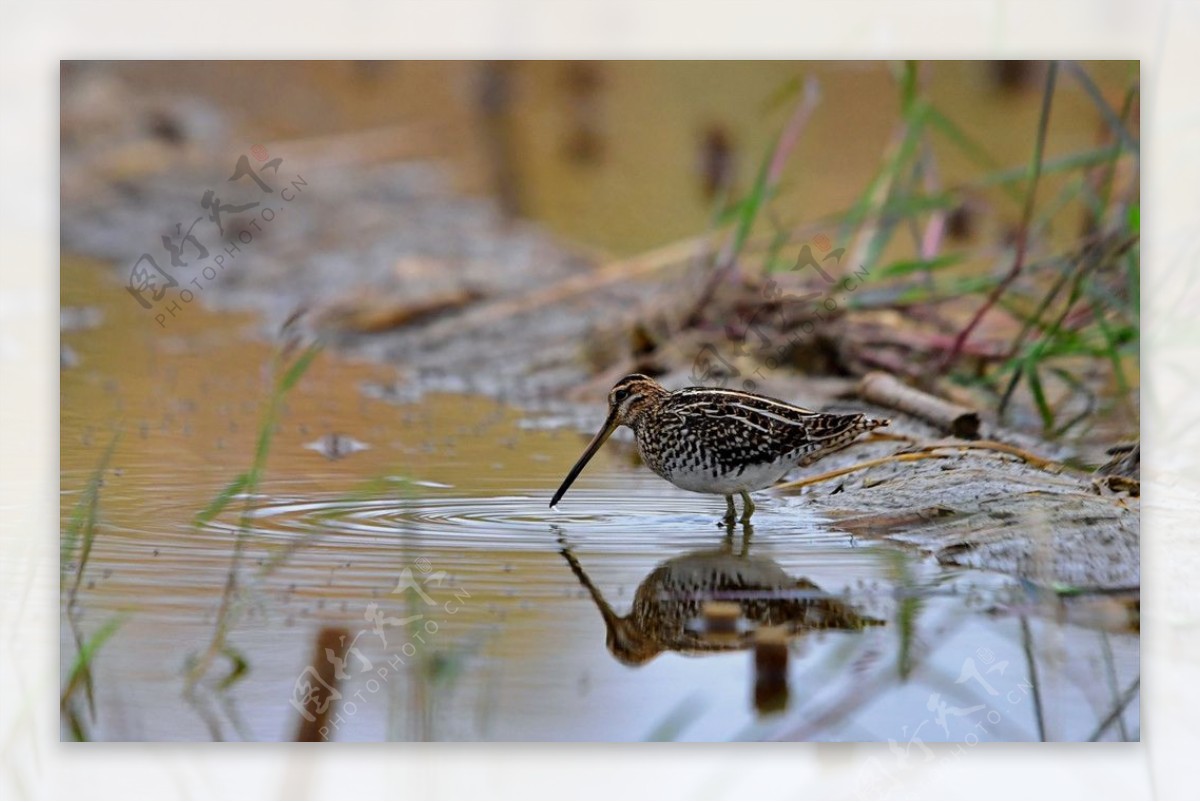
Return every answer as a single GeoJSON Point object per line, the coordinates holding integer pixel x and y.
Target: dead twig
{"type": "Point", "coordinates": [1126, 461]}
{"type": "Point", "coordinates": [886, 390]}
{"type": "Point", "coordinates": [1130, 694]}
{"type": "Point", "coordinates": [380, 145]}
{"type": "Point", "coordinates": [1041, 463]}
{"type": "Point", "coordinates": [884, 522]}
{"type": "Point", "coordinates": [927, 451]}
{"type": "Point", "coordinates": [861, 466]}
{"type": "Point", "coordinates": [371, 314]}
{"type": "Point", "coordinates": [880, 436]}
{"type": "Point", "coordinates": [1113, 485]}
{"type": "Point", "coordinates": [1034, 684]}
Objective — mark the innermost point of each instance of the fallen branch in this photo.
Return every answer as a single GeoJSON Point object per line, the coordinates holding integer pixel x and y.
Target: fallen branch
{"type": "Point", "coordinates": [676, 253]}
{"type": "Point", "coordinates": [886, 390]}
{"type": "Point", "coordinates": [371, 314]}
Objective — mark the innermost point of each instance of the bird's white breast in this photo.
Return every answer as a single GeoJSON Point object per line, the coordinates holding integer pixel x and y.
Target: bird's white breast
{"type": "Point", "coordinates": [754, 477]}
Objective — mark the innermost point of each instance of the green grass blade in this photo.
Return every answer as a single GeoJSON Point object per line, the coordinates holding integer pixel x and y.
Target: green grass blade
{"type": "Point", "coordinates": [677, 720]}
{"type": "Point", "coordinates": [1110, 115]}
{"type": "Point", "coordinates": [749, 207]}
{"type": "Point", "coordinates": [957, 136]}
{"type": "Point", "coordinates": [908, 86]}
{"type": "Point", "coordinates": [1062, 164]}
{"type": "Point", "coordinates": [784, 95]}
{"type": "Point", "coordinates": [1039, 395]}
{"type": "Point", "coordinates": [247, 484]}
{"type": "Point", "coordinates": [905, 267]}
{"type": "Point", "coordinates": [299, 367]}
{"type": "Point", "coordinates": [1113, 340]}
{"type": "Point", "coordinates": [84, 517]}
{"type": "Point", "coordinates": [222, 499]}
{"type": "Point", "coordinates": [240, 667]}
{"type": "Point", "coordinates": [81, 667]}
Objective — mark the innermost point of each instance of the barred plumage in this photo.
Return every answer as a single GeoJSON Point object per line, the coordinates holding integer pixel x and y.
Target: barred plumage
{"type": "Point", "coordinates": [723, 442]}
{"type": "Point", "coordinates": [670, 600]}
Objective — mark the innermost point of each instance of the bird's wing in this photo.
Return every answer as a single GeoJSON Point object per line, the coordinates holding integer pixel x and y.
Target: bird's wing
{"type": "Point", "coordinates": [755, 429]}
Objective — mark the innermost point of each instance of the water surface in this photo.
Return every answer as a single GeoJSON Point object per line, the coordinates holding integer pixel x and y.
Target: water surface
{"type": "Point", "coordinates": [449, 504]}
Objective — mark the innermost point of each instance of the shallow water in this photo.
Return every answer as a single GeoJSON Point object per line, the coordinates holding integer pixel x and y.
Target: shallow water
{"type": "Point", "coordinates": [449, 503]}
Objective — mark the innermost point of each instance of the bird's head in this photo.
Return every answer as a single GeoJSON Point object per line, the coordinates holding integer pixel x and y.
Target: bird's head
{"type": "Point", "coordinates": [628, 401]}
{"type": "Point", "coordinates": [629, 398]}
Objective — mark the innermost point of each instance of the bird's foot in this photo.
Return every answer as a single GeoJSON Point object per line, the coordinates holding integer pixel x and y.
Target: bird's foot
{"type": "Point", "coordinates": [730, 514]}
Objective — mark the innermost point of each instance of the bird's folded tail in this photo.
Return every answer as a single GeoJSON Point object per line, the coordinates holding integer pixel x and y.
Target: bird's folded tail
{"type": "Point", "coordinates": [845, 434]}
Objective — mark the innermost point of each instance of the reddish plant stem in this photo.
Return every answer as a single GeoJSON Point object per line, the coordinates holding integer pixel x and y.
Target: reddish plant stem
{"type": "Point", "coordinates": [728, 258]}
{"type": "Point", "coordinates": [1023, 232]}
{"type": "Point", "coordinates": [935, 229]}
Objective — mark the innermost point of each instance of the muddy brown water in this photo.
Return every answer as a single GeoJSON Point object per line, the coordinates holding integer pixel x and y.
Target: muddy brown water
{"type": "Point", "coordinates": [449, 503]}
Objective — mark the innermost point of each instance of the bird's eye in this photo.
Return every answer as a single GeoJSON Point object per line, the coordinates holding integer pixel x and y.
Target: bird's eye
{"type": "Point", "coordinates": [620, 395]}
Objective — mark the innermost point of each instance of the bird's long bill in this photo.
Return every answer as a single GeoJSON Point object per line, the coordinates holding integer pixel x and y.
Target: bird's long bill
{"type": "Point", "coordinates": [609, 426]}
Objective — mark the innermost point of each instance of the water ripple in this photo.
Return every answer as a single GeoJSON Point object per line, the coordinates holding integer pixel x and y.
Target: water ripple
{"type": "Point", "coordinates": [609, 520]}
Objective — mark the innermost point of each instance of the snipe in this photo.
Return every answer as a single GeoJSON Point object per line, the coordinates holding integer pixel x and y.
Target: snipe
{"type": "Point", "coordinates": [670, 601]}
{"type": "Point", "coordinates": [723, 442]}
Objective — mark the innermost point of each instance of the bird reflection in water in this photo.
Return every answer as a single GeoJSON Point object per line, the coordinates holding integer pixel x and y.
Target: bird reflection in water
{"type": "Point", "coordinates": [670, 603]}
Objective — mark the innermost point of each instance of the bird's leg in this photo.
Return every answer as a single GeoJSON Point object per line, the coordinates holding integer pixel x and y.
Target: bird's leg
{"type": "Point", "coordinates": [730, 511]}
{"type": "Point", "coordinates": [747, 506]}
{"type": "Point", "coordinates": [747, 533]}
